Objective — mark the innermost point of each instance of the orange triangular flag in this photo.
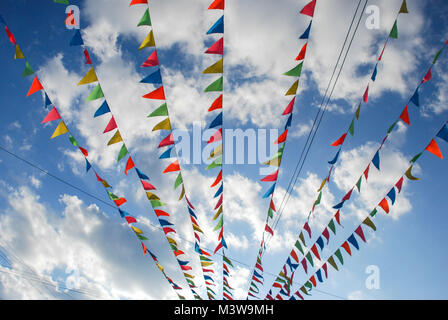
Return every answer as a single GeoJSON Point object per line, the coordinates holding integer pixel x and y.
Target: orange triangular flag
{"type": "Point", "coordinates": [217, 4]}
{"type": "Point", "coordinates": [302, 53]}
{"type": "Point", "coordinates": [434, 149]}
{"type": "Point", "coordinates": [385, 205]}
{"type": "Point", "coordinates": [35, 86]}
{"type": "Point", "coordinates": [158, 94]}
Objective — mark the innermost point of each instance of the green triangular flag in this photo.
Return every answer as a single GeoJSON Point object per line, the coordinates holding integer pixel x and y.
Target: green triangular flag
{"type": "Point", "coordinates": [179, 181]}
{"type": "Point", "coordinates": [270, 213]}
{"type": "Point", "coordinates": [403, 8]}
{"type": "Point", "coordinates": [298, 246]}
{"type": "Point", "coordinates": [310, 258]}
{"type": "Point", "coordinates": [416, 157]}
{"type": "Point", "coordinates": [351, 130]}
{"type": "Point", "coordinates": [61, 1]}
{"type": "Point", "coordinates": [437, 56]}
{"type": "Point", "coordinates": [295, 72]}
{"type": "Point", "coordinates": [373, 213]}
{"type": "Point", "coordinates": [112, 196]}
{"type": "Point", "coordinates": [332, 263]}
{"type": "Point", "coordinates": [73, 141]}
{"type": "Point", "coordinates": [358, 184]}
{"type": "Point", "coordinates": [391, 127]}
{"type": "Point", "coordinates": [369, 223]}
{"type": "Point", "coordinates": [227, 260]}
{"type": "Point", "coordinates": [96, 93]}
{"type": "Point", "coordinates": [156, 203]}
{"type": "Point", "coordinates": [28, 70]}
{"type": "Point", "coordinates": [301, 237]}
{"type": "Point", "coordinates": [394, 32]}
{"type": "Point", "coordinates": [339, 255]}
{"type": "Point", "coordinates": [215, 86]}
{"type": "Point", "coordinates": [319, 197]}
{"type": "Point", "coordinates": [145, 20]}
{"type": "Point", "coordinates": [160, 111]}
{"type": "Point", "coordinates": [219, 225]}
{"type": "Point", "coordinates": [308, 285]}
{"type": "Point", "coordinates": [123, 152]}
{"type": "Point", "coordinates": [141, 237]}
{"type": "Point", "coordinates": [215, 164]}
{"type": "Point", "coordinates": [332, 226]}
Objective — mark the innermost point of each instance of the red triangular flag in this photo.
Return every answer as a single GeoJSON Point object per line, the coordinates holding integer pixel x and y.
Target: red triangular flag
{"type": "Point", "coordinates": [35, 86]}
{"type": "Point", "coordinates": [294, 256]}
{"type": "Point", "coordinates": [346, 246]}
{"type": "Point", "coordinates": [365, 97]}
{"type": "Point", "coordinates": [313, 280]}
{"type": "Point", "coordinates": [157, 94]}
{"type": "Point", "coordinates": [189, 203]}
{"type": "Point", "coordinates": [268, 229]}
{"type": "Point", "coordinates": [129, 165]}
{"type": "Point", "coordinates": [10, 36]}
{"type": "Point", "coordinates": [144, 248]}
{"type": "Point", "coordinates": [271, 177]}
{"type": "Point", "coordinates": [360, 233]}
{"type": "Point", "coordinates": [52, 115]}
{"type": "Point", "coordinates": [290, 106]}
{"type": "Point", "coordinates": [366, 172]}
{"type": "Point", "coordinates": [86, 54]}
{"type": "Point", "coordinates": [348, 195]}
{"type": "Point", "coordinates": [147, 186]}
{"type": "Point", "coordinates": [339, 141]}
{"type": "Point", "coordinates": [84, 152]}
{"type": "Point", "coordinates": [172, 167]}
{"type": "Point", "coordinates": [434, 149]}
{"type": "Point", "coordinates": [120, 201]}
{"type": "Point", "coordinates": [302, 53]}
{"type": "Point", "coordinates": [385, 205]}
{"type": "Point", "coordinates": [326, 234]}
{"type": "Point", "coordinates": [219, 203]}
{"type": "Point", "coordinates": [314, 250]}
{"type": "Point", "coordinates": [428, 76]}
{"type": "Point", "coordinates": [217, 4]}
{"type": "Point", "coordinates": [111, 125]}
{"type": "Point", "coordinates": [218, 179]}
{"type": "Point", "coordinates": [216, 137]}
{"type": "Point", "coordinates": [337, 216]}
{"type": "Point", "coordinates": [219, 246]}
{"type": "Point", "coordinates": [138, 2]}
{"type": "Point", "coordinates": [217, 47]}
{"type": "Point", "coordinates": [130, 219]}
{"type": "Point", "coordinates": [217, 104]}
{"type": "Point", "coordinates": [309, 9]}
{"type": "Point", "coordinates": [282, 137]}
{"type": "Point", "coordinates": [271, 205]}
{"type": "Point", "coordinates": [169, 140]}
{"type": "Point", "coordinates": [152, 60]}
{"type": "Point", "coordinates": [306, 226]}
{"type": "Point", "coordinates": [382, 51]}
{"type": "Point", "coordinates": [399, 184]}
{"type": "Point", "coordinates": [161, 213]}
{"type": "Point", "coordinates": [405, 116]}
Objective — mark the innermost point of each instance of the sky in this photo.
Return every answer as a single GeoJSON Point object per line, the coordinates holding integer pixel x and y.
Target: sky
{"type": "Point", "coordinates": [57, 242]}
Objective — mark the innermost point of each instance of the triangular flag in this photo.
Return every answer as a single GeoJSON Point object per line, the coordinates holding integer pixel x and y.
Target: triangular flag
{"type": "Point", "coordinates": [218, 26]}
{"type": "Point", "coordinates": [394, 32]}
{"type": "Point", "coordinates": [385, 205]}
{"type": "Point", "coordinates": [10, 36]}
{"type": "Point", "coordinates": [111, 125]}
{"type": "Point", "coordinates": [158, 94]}
{"type": "Point", "coordinates": [160, 111]}
{"type": "Point", "coordinates": [76, 40]}
{"type": "Point", "coordinates": [60, 129]}
{"type": "Point", "coordinates": [427, 77]}
{"type": "Point", "coordinates": [443, 133]}
{"type": "Point", "coordinates": [415, 99]}
{"type": "Point", "coordinates": [293, 90]}
{"type": "Point", "coordinates": [215, 86]}
{"type": "Point", "coordinates": [217, 47]}
{"type": "Point", "coordinates": [145, 19]}
{"type": "Point", "coordinates": [123, 152]}
{"type": "Point", "coordinates": [434, 149]}
{"type": "Point", "coordinates": [302, 52]}
{"type": "Point", "coordinates": [169, 140]}
{"type": "Point", "coordinates": [97, 93]}
{"type": "Point", "coordinates": [405, 116]}
{"type": "Point", "coordinates": [52, 115]}
{"type": "Point", "coordinates": [28, 70]}
{"type": "Point", "coordinates": [103, 109]}
{"type": "Point", "coordinates": [133, 2]}
{"type": "Point", "coordinates": [376, 160]}
{"type": "Point", "coordinates": [163, 125]}
{"type": "Point", "coordinates": [172, 167]}
{"type": "Point", "coordinates": [365, 97]}
{"type": "Point", "coordinates": [289, 107]}
{"type": "Point", "coordinates": [152, 60]}
{"type": "Point", "coordinates": [115, 138]}
{"type": "Point", "coordinates": [403, 8]}
{"type": "Point", "coordinates": [148, 41]}
{"type": "Point", "coordinates": [18, 54]}
{"type": "Point", "coordinates": [339, 141]}
{"type": "Point", "coordinates": [35, 86]}
{"type": "Point", "coordinates": [153, 78]}
{"type": "Point", "coordinates": [295, 72]}
{"type": "Point", "coordinates": [217, 4]}
{"type": "Point", "coordinates": [217, 104]}
{"type": "Point", "coordinates": [87, 56]}
{"type": "Point", "coordinates": [89, 77]}
{"type": "Point", "coordinates": [215, 68]}
{"type": "Point", "coordinates": [306, 34]}
{"type": "Point", "coordinates": [129, 165]}
{"type": "Point", "coordinates": [309, 9]}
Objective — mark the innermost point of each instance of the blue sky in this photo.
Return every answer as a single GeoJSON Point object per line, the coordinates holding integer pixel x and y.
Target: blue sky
{"type": "Point", "coordinates": [65, 235]}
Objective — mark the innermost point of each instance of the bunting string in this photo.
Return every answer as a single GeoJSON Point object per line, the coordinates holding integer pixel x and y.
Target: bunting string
{"type": "Point", "coordinates": [155, 79]}
{"type": "Point", "coordinates": [154, 200]}
{"type": "Point", "coordinates": [61, 129]}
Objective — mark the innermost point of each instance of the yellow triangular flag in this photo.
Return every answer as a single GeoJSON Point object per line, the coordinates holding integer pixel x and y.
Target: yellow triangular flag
{"type": "Point", "coordinates": [19, 53]}
{"type": "Point", "coordinates": [187, 275]}
{"type": "Point", "coordinates": [152, 196]}
{"type": "Point", "coordinates": [115, 139]}
{"type": "Point", "coordinates": [217, 213]}
{"type": "Point", "coordinates": [89, 77]}
{"type": "Point", "coordinates": [60, 129]}
{"type": "Point", "coordinates": [216, 152]}
{"type": "Point", "coordinates": [274, 162]}
{"type": "Point", "coordinates": [163, 125]}
{"type": "Point", "coordinates": [322, 185]}
{"type": "Point", "coordinates": [137, 230]}
{"type": "Point", "coordinates": [172, 241]}
{"type": "Point", "coordinates": [293, 90]}
{"type": "Point", "coordinates": [215, 68]}
{"type": "Point", "coordinates": [206, 263]}
{"type": "Point", "coordinates": [105, 184]}
{"type": "Point", "coordinates": [160, 267]}
{"type": "Point", "coordinates": [148, 42]}
{"type": "Point", "coordinates": [195, 227]}
{"type": "Point", "coordinates": [182, 193]}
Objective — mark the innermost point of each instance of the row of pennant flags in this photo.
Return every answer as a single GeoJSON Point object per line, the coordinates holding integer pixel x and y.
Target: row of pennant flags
{"type": "Point", "coordinates": [61, 129]}
{"type": "Point", "coordinates": [275, 161]}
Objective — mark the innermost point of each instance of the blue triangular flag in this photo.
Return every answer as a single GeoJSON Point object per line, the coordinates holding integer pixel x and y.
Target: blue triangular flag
{"type": "Point", "coordinates": [443, 133]}
{"type": "Point", "coordinates": [391, 195]}
{"type": "Point", "coordinates": [192, 212]}
{"type": "Point", "coordinates": [88, 165]}
{"type": "Point", "coordinates": [416, 98]}
{"type": "Point", "coordinates": [76, 39]}
{"type": "Point", "coordinates": [269, 192]}
{"type": "Point", "coordinates": [104, 108]}
{"type": "Point", "coordinates": [165, 223]}
{"type": "Point", "coordinates": [196, 248]}
{"type": "Point", "coordinates": [218, 27]}
{"type": "Point", "coordinates": [319, 275]}
{"type": "Point", "coordinates": [225, 273]}
{"type": "Point", "coordinates": [153, 78]}
{"type": "Point", "coordinates": [208, 277]}
{"type": "Point", "coordinates": [47, 101]}
{"type": "Point", "coordinates": [353, 241]}
{"type": "Point", "coordinates": [216, 122]}
{"type": "Point", "coordinates": [223, 242]}
{"type": "Point", "coordinates": [166, 154]}
{"type": "Point", "coordinates": [141, 175]}
{"type": "Point", "coordinates": [123, 213]}
{"type": "Point", "coordinates": [288, 122]}
{"type": "Point", "coordinates": [182, 263]}
{"type": "Point", "coordinates": [376, 160]}
{"type": "Point", "coordinates": [258, 275]}
{"type": "Point", "coordinates": [218, 192]}
{"type": "Point", "coordinates": [320, 242]}
{"type": "Point", "coordinates": [335, 159]}
{"type": "Point", "coordinates": [292, 298]}
{"type": "Point", "coordinates": [306, 34]}
{"type": "Point", "coordinates": [339, 205]}
{"type": "Point", "coordinates": [375, 71]}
